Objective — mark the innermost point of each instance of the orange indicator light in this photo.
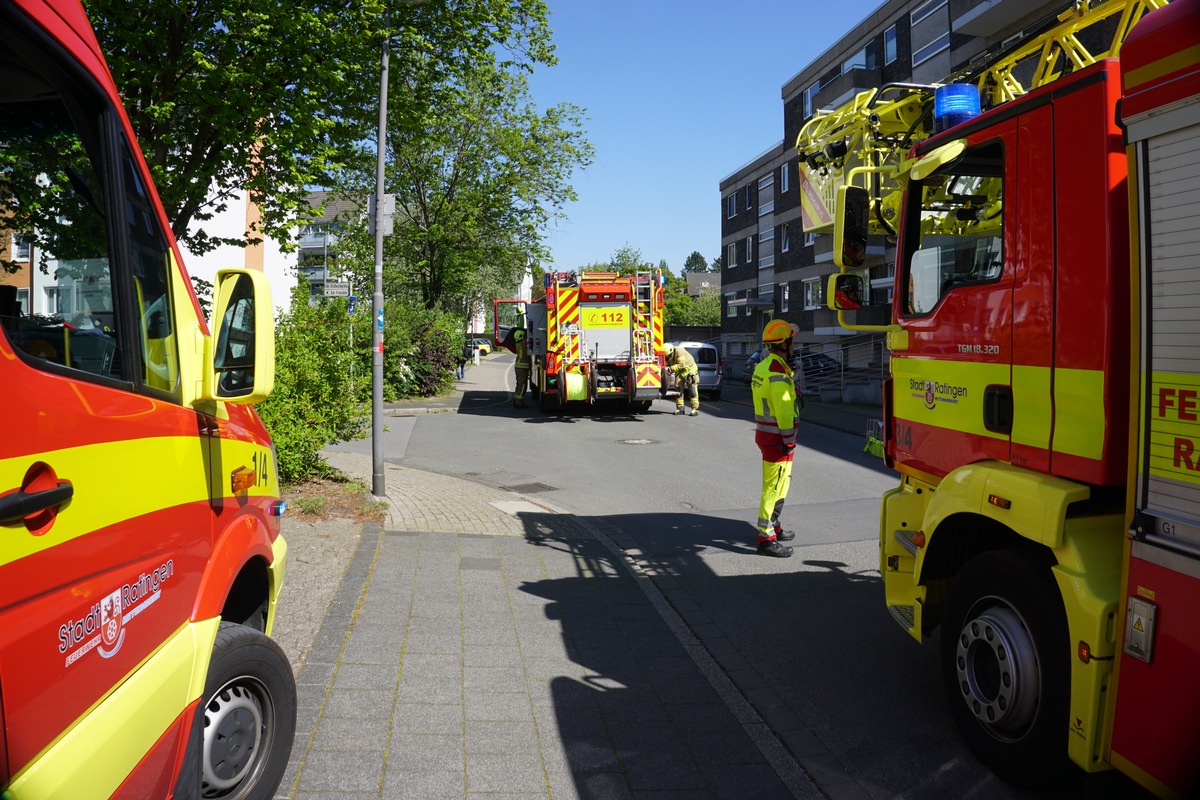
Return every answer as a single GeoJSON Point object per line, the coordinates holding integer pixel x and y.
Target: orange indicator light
{"type": "Point", "coordinates": [241, 479]}
{"type": "Point", "coordinates": [999, 502]}
{"type": "Point", "coordinates": [1084, 652]}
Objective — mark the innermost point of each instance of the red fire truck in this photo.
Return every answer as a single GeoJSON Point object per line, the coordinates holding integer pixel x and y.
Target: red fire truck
{"type": "Point", "coordinates": [1043, 409]}
{"type": "Point", "coordinates": [140, 552]}
{"type": "Point", "coordinates": [593, 337]}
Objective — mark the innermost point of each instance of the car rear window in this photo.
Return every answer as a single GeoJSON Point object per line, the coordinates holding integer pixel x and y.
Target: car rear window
{"type": "Point", "coordinates": [704, 356]}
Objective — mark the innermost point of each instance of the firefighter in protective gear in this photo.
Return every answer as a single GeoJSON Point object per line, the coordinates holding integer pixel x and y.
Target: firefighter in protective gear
{"type": "Point", "coordinates": [687, 377]}
{"type": "Point", "coordinates": [520, 367]}
{"type": "Point", "coordinates": [774, 391]}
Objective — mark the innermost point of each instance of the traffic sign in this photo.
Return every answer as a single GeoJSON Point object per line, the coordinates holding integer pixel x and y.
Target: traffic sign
{"type": "Point", "coordinates": [337, 289]}
{"type": "Point", "coordinates": [353, 303]}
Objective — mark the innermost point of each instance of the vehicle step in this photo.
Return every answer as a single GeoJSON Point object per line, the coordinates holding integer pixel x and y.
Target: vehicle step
{"type": "Point", "coordinates": [905, 616]}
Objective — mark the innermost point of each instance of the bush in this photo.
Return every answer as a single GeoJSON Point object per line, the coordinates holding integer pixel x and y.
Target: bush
{"type": "Point", "coordinates": [315, 402]}
{"type": "Point", "coordinates": [420, 349]}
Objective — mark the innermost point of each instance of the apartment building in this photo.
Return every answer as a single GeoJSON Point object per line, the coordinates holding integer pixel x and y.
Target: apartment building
{"type": "Point", "coordinates": [773, 269]}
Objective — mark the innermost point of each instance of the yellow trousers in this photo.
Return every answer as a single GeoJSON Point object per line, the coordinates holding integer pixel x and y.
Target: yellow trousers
{"type": "Point", "coordinates": [776, 480]}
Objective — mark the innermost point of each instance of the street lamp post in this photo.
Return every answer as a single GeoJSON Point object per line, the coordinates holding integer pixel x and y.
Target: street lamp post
{"type": "Point", "coordinates": [378, 488]}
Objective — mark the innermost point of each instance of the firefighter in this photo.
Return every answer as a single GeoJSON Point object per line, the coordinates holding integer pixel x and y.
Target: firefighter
{"type": "Point", "coordinates": [520, 367]}
{"type": "Point", "coordinates": [774, 392]}
{"type": "Point", "coordinates": [687, 377]}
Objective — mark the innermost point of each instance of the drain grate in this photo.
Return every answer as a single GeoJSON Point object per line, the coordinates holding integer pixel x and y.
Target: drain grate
{"type": "Point", "coordinates": [529, 488]}
{"type": "Point", "coordinates": [638, 441]}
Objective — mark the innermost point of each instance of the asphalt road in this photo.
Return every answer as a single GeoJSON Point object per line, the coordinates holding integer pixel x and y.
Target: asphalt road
{"type": "Point", "coordinates": [686, 491]}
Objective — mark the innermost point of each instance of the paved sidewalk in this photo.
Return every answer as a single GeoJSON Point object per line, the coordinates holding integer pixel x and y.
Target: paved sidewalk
{"type": "Point", "coordinates": [480, 643]}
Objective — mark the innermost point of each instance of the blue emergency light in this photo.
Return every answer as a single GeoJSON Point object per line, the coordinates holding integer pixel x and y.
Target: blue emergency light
{"type": "Point", "coordinates": [954, 104]}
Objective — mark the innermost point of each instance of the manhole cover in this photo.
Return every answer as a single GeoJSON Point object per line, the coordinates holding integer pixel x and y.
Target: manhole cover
{"type": "Point", "coordinates": [637, 441]}
{"type": "Point", "coordinates": [528, 488]}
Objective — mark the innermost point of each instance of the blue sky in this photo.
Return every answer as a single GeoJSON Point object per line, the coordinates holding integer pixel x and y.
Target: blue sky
{"type": "Point", "coordinates": [678, 95]}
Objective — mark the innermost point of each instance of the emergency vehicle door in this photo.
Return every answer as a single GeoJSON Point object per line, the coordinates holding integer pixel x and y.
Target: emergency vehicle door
{"type": "Point", "coordinates": [952, 386]}
{"type": "Point", "coordinates": [507, 316]}
{"type": "Point", "coordinates": [100, 558]}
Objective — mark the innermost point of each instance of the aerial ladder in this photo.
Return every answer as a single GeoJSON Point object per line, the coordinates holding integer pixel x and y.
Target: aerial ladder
{"type": "Point", "coordinates": [865, 143]}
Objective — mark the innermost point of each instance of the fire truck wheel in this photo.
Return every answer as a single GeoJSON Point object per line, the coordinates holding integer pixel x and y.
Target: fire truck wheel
{"type": "Point", "coordinates": [1006, 666]}
{"type": "Point", "coordinates": [249, 711]}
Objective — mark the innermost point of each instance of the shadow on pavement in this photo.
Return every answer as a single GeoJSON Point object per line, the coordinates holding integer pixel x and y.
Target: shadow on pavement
{"type": "Point", "coordinates": [815, 653]}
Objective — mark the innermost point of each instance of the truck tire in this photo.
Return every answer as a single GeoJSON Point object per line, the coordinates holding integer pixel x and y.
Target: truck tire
{"type": "Point", "coordinates": [1005, 658]}
{"type": "Point", "coordinates": [249, 710]}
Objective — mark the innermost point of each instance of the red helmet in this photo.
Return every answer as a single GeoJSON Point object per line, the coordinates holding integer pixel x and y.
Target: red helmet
{"type": "Point", "coordinates": [778, 331]}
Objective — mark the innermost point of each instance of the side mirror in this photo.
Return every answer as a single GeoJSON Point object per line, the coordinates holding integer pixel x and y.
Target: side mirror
{"type": "Point", "coordinates": [850, 226]}
{"type": "Point", "coordinates": [844, 292]}
{"type": "Point", "coordinates": [241, 367]}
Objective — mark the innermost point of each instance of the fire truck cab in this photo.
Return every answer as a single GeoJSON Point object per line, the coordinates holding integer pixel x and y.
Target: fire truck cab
{"type": "Point", "coordinates": [140, 551]}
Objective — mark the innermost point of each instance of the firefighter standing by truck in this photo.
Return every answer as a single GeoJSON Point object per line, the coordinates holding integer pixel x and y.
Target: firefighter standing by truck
{"type": "Point", "coordinates": [520, 367]}
{"type": "Point", "coordinates": [774, 392]}
{"type": "Point", "coordinates": [687, 377]}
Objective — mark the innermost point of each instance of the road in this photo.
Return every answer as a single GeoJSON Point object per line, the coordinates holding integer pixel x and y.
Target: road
{"type": "Point", "coordinates": [817, 643]}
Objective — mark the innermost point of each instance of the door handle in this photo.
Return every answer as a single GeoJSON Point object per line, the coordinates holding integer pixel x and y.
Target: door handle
{"type": "Point", "coordinates": [19, 504]}
{"type": "Point", "coordinates": [998, 409]}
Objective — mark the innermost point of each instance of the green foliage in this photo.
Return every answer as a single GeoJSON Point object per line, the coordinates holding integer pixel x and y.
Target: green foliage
{"type": "Point", "coordinates": [705, 309]}
{"type": "Point", "coordinates": [274, 97]}
{"type": "Point", "coordinates": [204, 293]}
{"type": "Point", "coordinates": [421, 348]}
{"type": "Point", "coordinates": [316, 401]}
{"type": "Point", "coordinates": [695, 263]}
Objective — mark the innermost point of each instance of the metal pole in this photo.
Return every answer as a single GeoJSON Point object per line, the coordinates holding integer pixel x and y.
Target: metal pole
{"type": "Point", "coordinates": [377, 481]}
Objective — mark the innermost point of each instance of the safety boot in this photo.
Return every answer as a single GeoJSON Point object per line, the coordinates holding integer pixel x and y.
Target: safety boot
{"type": "Point", "coordinates": [773, 548]}
{"type": "Point", "coordinates": [678, 411]}
{"type": "Point", "coordinates": [784, 536]}
{"type": "Point", "coordinates": [695, 412]}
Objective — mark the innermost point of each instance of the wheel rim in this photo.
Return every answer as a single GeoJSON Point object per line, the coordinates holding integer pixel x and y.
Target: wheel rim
{"type": "Point", "coordinates": [236, 725]}
{"type": "Point", "coordinates": [998, 672]}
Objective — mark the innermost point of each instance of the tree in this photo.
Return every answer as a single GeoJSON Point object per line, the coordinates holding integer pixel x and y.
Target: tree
{"type": "Point", "coordinates": [706, 309]}
{"type": "Point", "coordinates": [273, 98]}
{"type": "Point", "coordinates": [717, 265]}
{"type": "Point", "coordinates": [695, 263]}
{"type": "Point", "coordinates": [478, 178]}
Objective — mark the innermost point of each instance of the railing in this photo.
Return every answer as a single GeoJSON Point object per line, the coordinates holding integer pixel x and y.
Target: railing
{"type": "Point", "coordinates": [849, 370]}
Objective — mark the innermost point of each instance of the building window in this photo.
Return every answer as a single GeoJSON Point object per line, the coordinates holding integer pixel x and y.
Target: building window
{"type": "Point", "coordinates": [766, 291]}
{"type": "Point", "coordinates": [923, 11]}
{"type": "Point", "coordinates": [766, 194]}
{"type": "Point", "coordinates": [889, 45]}
{"type": "Point", "coordinates": [783, 179]}
{"type": "Point", "coordinates": [749, 200]}
{"type": "Point", "coordinates": [932, 49]}
{"type": "Point", "coordinates": [764, 237]}
{"type": "Point", "coordinates": [749, 249]}
{"type": "Point", "coordinates": [730, 310]}
{"type": "Point", "coordinates": [810, 95]}
{"type": "Point", "coordinates": [765, 259]}
{"type": "Point", "coordinates": [783, 297]}
{"type": "Point", "coordinates": [731, 257]}
{"type": "Point", "coordinates": [785, 239]}
{"type": "Point", "coordinates": [814, 295]}
{"type": "Point", "coordinates": [810, 238]}
{"type": "Point", "coordinates": [863, 59]}
{"type": "Point", "coordinates": [20, 247]}
{"type": "Point", "coordinates": [731, 206]}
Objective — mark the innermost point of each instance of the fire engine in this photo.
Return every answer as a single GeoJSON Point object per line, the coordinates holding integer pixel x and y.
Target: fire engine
{"type": "Point", "coordinates": [594, 337]}
{"type": "Point", "coordinates": [141, 557]}
{"type": "Point", "coordinates": [1044, 397]}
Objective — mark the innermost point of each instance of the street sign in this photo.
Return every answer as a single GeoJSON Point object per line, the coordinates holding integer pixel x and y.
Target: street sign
{"type": "Point", "coordinates": [337, 289]}
{"type": "Point", "coordinates": [352, 305]}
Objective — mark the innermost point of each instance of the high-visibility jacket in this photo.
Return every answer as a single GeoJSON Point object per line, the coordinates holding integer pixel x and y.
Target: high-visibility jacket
{"type": "Point", "coordinates": [682, 364]}
{"type": "Point", "coordinates": [774, 392]}
{"type": "Point", "coordinates": [522, 353]}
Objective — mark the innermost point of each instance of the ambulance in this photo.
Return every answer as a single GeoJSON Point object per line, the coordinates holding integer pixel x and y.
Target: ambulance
{"type": "Point", "coordinates": [140, 550]}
